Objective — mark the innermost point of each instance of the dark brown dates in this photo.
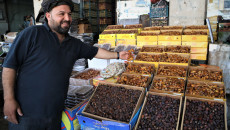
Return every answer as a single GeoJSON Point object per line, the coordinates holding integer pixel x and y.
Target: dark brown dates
{"type": "Point", "coordinates": [117, 103]}
{"type": "Point", "coordinates": [204, 115]}
{"type": "Point", "coordinates": [160, 112]}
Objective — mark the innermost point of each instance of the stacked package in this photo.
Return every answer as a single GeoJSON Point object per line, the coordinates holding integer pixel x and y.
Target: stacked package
{"type": "Point", "coordinates": [78, 94]}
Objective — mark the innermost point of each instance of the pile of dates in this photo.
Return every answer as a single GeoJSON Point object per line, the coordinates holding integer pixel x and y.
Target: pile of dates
{"type": "Point", "coordinates": [149, 57]}
{"type": "Point", "coordinates": [140, 68]}
{"type": "Point", "coordinates": [110, 32]}
{"type": "Point", "coordinates": [206, 89]}
{"type": "Point", "coordinates": [174, 58]}
{"type": "Point", "coordinates": [171, 33]}
{"type": "Point", "coordinates": [149, 33]}
{"type": "Point", "coordinates": [133, 80]}
{"type": "Point", "coordinates": [178, 49]}
{"type": "Point", "coordinates": [160, 112]}
{"type": "Point", "coordinates": [206, 74]}
{"type": "Point", "coordinates": [204, 115]}
{"type": "Point", "coordinates": [113, 102]}
{"type": "Point", "coordinates": [133, 26]}
{"type": "Point", "coordinates": [196, 32]}
{"type": "Point", "coordinates": [128, 31]}
{"type": "Point", "coordinates": [169, 84]}
{"type": "Point", "coordinates": [172, 70]}
{"type": "Point", "coordinates": [153, 28]}
{"type": "Point", "coordinates": [152, 49]}
{"type": "Point", "coordinates": [114, 27]}
{"type": "Point", "coordinates": [89, 74]}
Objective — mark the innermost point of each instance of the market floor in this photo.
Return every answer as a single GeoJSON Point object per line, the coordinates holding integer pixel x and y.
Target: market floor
{"type": "Point", "coordinates": [4, 124]}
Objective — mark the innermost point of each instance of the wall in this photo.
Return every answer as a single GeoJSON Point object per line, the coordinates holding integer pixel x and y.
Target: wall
{"type": "Point", "coordinates": [37, 7]}
{"type": "Point", "coordinates": [187, 12]}
{"type": "Point", "coordinates": [3, 22]}
{"type": "Point", "coordinates": [17, 9]}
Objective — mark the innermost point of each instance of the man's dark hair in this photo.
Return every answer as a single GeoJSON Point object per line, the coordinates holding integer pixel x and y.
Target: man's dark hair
{"type": "Point", "coordinates": [48, 5]}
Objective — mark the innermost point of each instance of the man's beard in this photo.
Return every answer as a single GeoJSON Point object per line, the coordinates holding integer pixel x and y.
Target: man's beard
{"type": "Point", "coordinates": [61, 30]}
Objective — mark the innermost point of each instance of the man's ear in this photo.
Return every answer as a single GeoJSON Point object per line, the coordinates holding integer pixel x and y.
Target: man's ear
{"type": "Point", "coordinates": [48, 15]}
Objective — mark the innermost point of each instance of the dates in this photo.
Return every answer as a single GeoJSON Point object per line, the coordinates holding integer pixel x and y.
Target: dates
{"type": "Point", "coordinates": [202, 73]}
{"type": "Point", "coordinates": [159, 49]}
{"type": "Point", "coordinates": [133, 26]}
{"type": "Point", "coordinates": [168, 84]}
{"type": "Point", "coordinates": [205, 89]}
{"type": "Point", "coordinates": [204, 115]}
{"type": "Point", "coordinates": [160, 112]}
{"type": "Point", "coordinates": [133, 80]}
{"type": "Point", "coordinates": [164, 32]}
{"type": "Point", "coordinates": [174, 58]}
{"type": "Point", "coordinates": [149, 33]}
{"type": "Point", "coordinates": [153, 28]}
{"type": "Point", "coordinates": [178, 49]}
{"type": "Point", "coordinates": [172, 70]}
{"type": "Point", "coordinates": [140, 68]}
{"type": "Point", "coordinates": [119, 48]}
{"type": "Point", "coordinates": [90, 73]}
{"type": "Point", "coordinates": [149, 57]}
{"type": "Point", "coordinates": [110, 32]}
{"type": "Point", "coordinates": [117, 103]}
{"type": "Point", "coordinates": [197, 27]}
{"type": "Point", "coordinates": [114, 27]}
{"type": "Point", "coordinates": [195, 32]}
{"type": "Point", "coordinates": [130, 31]}
{"type": "Point", "coordinates": [171, 27]}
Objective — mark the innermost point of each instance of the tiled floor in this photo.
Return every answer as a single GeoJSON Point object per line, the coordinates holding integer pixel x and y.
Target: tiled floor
{"type": "Point", "coordinates": [4, 124]}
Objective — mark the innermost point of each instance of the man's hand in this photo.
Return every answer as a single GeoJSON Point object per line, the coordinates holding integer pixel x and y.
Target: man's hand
{"type": "Point", "coordinates": [124, 55]}
{"type": "Point", "coordinates": [11, 106]}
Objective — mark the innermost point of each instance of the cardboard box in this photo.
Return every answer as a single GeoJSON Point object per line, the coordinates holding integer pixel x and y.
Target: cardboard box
{"type": "Point", "coordinates": [147, 38]}
{"type": "Point", "coordinates": [204, 100]}
{"type": "Point", "coordinates": [69, 118]}
{"type": "Point", "coordinates": [79, 82]}
{"type": "Point", "coordinates": [165, 43]}
{"type": "Point", "coordinates": [199, 56]}
{"type": "Point", "coordinates": [111, 41]}
{"type": "Point", "coordinates": [153, 89]}
{"type": "Point", "coordinates": [194, 38]}
{"type": "Point", "coordinates": [130, 76]}
{"type": "Point", "coordinates": [141, 44]}
{"type": "Point", "coordinates": [169, 38]}
{"type": "Point", "coordinates": [179, 66]}
{"type": "Point", "coordinates": [199, 50]}
{"type": "Point", "coordinates": [84, 28]}
{"type": "Point", "coordinates": [212, 69]}
{"type": "Point", "coordinates": [98, 122]}
{"type": "Point", "coordinates": [126, 36]}
{"type": "Point", "coordinates": [202, 92]}
{"type": "Point", "coordinates": [196, 44]}
{"type": "Point", "coordinates": [126, 41]}
{"type": "Point", "coordinates": [160, 94]}
{"type": "Point", "coordinates": [107, 36]}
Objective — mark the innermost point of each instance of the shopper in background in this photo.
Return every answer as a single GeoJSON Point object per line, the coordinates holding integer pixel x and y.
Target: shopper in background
{"type": "Point", "coordinates": [38, 66]}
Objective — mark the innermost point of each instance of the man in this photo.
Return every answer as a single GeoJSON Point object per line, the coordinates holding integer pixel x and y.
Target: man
{"type": "Point", "coordinates": [38, 66]}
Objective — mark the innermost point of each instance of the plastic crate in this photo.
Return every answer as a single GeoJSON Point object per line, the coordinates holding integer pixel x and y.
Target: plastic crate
{"type": "Point", "coordinates": [90, 5]}
{"type": "Point", "coordinates": [105, 21]}
{"type": "Point", "coordinates": [105, 13]}
{"type": "Point", "coordinates": [159, 21]}
{"type": "Point", "coordinates": [90, 13]}
{"type": "Point", "coordinates": [157, 12]}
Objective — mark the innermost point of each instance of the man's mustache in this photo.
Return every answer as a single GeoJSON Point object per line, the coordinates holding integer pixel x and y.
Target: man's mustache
{"type": "Point", "coordinates": [68, 22]}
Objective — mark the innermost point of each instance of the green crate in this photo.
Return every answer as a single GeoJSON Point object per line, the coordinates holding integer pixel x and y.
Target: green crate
{"type": "Point", "coordinates": [90, 5]}
{"type": "Point", "coordinates": [94, 28]}
{"type": "Point", "coordinates": [105, 13]}
{"type": "Point", "coordinates": [90, 13]}
{"type": "Point", "coordinates": [76, 7]}
{"type": "Point", "coordinates": [103, 1]}
{"type": "Point", "coordinates": [93, 21]}
{"type": "Point", "coordinates": [75, 15]}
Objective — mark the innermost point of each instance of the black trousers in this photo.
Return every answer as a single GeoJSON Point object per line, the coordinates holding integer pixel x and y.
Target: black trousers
{"type": "Point", "coordinates": [26, 123]}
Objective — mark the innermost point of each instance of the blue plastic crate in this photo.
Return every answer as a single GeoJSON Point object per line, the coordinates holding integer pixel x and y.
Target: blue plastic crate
{"type": "Point", "coordinates": [156, 12]}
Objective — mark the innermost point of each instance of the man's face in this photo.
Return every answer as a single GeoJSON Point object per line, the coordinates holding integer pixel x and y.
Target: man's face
{"type": "Point", "coordinates": [59, 19]}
